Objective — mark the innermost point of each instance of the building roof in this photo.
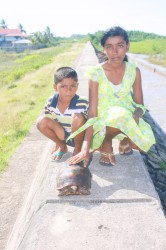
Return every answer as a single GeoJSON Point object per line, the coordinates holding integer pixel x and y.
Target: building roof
{"type": "Point", "coordinates": [11, 32]}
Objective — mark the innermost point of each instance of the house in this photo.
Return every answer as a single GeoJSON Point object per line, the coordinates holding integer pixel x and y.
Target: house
{"type": "Point", "coordinates": [22, 42]}
{"type": "Point", "coordinates": [9, 36]}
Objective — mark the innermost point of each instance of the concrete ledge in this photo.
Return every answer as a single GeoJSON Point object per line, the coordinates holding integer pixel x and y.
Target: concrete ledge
{"type": "Point", "coordinates": [122, 212]}
{"type": "Point", "coordinates": [96, 226]}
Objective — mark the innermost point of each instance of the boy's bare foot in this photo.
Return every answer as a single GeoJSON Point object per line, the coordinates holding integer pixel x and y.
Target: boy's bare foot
{"type": "Point", "coordinates": [55, 148]}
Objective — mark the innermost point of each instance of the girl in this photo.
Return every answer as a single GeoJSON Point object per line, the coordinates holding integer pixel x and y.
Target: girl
{"type": "Point", "coordinates": [113, 112]}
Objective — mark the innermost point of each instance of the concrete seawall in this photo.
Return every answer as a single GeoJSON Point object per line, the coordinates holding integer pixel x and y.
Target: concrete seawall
{"type": "Point", "coordinates": [123, 211]}
{"type": "Point", "coordinates": [141, 59]}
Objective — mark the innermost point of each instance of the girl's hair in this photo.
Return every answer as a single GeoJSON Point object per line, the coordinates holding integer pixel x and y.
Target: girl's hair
{"type": "Point", "coordinates": [65, 72]}
{"type": "Point", "coordinates": [115, 31]}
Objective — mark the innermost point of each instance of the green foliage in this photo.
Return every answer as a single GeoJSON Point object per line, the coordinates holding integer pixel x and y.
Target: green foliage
{"type": "Point", "coordinates": [149, 47]}
{"type": "Point", "coordinates": [95, 39]}
{"type": "Point", "coordinates": [26, 58]}
{"type": "Point", "coordinates": [45, 38]}
{"type": "Point", "coordinates": [24, 63]}
{"type": "Point", "coordinates": [136, 36]}
{"type": "Point", "coordinates": [155, 48]}
{"type": "Point", "coordinates": [163, 166]}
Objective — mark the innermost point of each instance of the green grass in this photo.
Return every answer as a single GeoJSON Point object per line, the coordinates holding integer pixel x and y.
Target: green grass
{"type": "Point", "coordinates": [22, 100]}
{"type": "Point", "coordinates": [155, 48]}
{"type": "Point", "coordinates": [163, 166]}
{"type": "Point", "coordinates": [17, 65]}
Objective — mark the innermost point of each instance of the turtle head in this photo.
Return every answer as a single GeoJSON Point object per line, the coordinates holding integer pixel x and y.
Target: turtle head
{"type": "Point", "coordinates": [74, 188]}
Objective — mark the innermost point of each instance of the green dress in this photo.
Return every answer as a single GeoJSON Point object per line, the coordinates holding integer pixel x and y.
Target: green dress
{"type": "Point", "coordinates": [115, 109]}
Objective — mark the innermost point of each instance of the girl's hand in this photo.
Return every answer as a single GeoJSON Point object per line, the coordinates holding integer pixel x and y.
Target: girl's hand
{"type": "Point", "coordinates": [82, 156]}
{"type": "Point", "coordinates": [137, 114]}
{"type": "Point", "coordinates": [136, 118]}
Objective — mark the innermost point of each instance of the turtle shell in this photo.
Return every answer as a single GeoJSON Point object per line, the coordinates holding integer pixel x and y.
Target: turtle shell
{"type": "Point", "coordinates": [73, 179]}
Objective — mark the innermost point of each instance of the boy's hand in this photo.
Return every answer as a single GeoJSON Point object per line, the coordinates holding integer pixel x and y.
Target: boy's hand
{"type": "Point", "coordinates": [82, 156]}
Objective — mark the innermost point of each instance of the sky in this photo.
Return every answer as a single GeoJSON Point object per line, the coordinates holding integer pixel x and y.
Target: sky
{"type": "Point", "coordinates": [68, 17]}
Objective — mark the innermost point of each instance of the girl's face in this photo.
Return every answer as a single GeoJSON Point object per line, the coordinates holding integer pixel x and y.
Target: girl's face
{"type": "Point", "coordinates": [115, 48]}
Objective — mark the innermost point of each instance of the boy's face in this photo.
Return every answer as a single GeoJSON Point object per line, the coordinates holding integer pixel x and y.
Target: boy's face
{"type": "Point", "coordinates": [66, 89]}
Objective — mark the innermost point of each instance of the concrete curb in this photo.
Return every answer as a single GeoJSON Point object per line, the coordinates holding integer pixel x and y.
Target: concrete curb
{"type": "Point", "coordinates": [153, 67]}
{"type": "Point", "coordinates": [31, 205]}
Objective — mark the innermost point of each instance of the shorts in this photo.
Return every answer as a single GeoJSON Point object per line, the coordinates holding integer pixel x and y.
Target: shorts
{"type": "Point", "coordinates": [69, 142]}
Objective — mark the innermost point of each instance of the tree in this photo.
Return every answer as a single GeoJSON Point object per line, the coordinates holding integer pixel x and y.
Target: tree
{"type": "Point", "coordinates": [3, 24]}
{"type": "Point", "coordinates": [37, 38]}
{"type": "Point", "coordinates": [21, 28]}
{"type": "Point", "coordinates": [47, 36]}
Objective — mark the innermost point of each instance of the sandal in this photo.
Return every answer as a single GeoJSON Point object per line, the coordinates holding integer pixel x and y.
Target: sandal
{"type": "Point", "coordinates": [125, 148]}
{"type": "Point", "coordinates": [57, 154]}
{"type": "Point", "coordinates": [111, 158]}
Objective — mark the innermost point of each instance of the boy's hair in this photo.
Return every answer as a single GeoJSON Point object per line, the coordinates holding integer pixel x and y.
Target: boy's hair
{"type": "Point", "coordinates": [65, 72]}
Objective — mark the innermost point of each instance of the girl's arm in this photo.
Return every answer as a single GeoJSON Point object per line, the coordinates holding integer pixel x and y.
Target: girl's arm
{"type": "Point", "coordinates": [93, 103]}
{"type": "Point", "coordinates": [138, 95]}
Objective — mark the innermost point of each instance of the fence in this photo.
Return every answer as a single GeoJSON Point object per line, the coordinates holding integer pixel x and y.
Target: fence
{"type": "Point", "coordinates": [20, 49]}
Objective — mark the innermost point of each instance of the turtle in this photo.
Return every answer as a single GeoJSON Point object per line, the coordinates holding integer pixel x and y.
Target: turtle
{"type": "Point", "coordinates": [73, 180]}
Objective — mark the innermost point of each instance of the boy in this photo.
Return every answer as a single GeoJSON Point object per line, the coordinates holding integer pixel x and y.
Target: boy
{"type": "Point", "coordinates": [68, 112]}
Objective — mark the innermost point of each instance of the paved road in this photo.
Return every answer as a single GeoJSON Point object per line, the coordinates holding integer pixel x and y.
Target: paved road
{"type": "Point", "coordinates": [154, 89]}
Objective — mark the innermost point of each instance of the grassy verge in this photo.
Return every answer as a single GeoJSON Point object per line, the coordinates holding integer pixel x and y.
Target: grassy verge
{"type": "Point", "coordinates": [14, 66]}
{"type": "Point", "coordinates": [22, 100]}
{"type": "Point", "coordinates": [155, 48]}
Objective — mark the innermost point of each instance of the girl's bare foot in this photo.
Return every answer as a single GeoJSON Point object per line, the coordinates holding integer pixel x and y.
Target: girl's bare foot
{"type": "Point", "coordinates": [107, 159]}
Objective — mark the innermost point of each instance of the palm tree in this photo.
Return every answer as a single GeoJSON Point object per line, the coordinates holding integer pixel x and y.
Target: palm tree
{"type": "Point", "coordinates": [21, 28]}
{"type": "Point", "coordinates": [37, 37]}
{"type": "Point", "coordinates": [3, 24]}
{"type": "Point", "coordinates": [48, 36]}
